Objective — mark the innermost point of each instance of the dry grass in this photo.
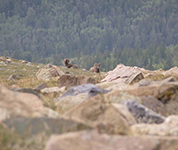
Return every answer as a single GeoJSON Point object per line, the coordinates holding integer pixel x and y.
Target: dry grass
{"type": "Point", "coordinates": [48, 100]}
{"type": "Point", "coordinates": [25, 74]}
{"type": "Point", "coordinates": [26, 78]}
{"type": "Point", "coordinates": [97, 76]}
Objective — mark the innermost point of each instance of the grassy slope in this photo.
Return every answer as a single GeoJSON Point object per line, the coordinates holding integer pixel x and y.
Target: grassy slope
{"type": "Point", "coordinates": [28, 78]}
{"type": "Point", "coordinates": [27, 73]}
{"type": "Point", "coordinates": [9, 139]}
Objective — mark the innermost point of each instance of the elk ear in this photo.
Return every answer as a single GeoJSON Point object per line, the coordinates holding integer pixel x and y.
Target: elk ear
{"type": "Point", "coordinates": [95, 64]}
{"type": "Point", "coordinates": [99, 64]}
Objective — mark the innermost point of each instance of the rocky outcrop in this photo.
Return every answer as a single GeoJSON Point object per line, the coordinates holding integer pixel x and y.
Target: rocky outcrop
{"type": "Point", "coordinates": [103, 116]}
{"type": "Point", "coordinates": [68, 102]}
{"type": "Point", "coordinates": [155, 105]}
{"type": "Point", "coordinates": [90, 89]}
{"type": "Point", "coordinates": [163, 91]}
{"type": "Point", "coordinates": [172, 71]}
{"type": "Point", "coordinates": [125, 74]}
{"type": "Point", "coordinates": [167, 128]}
{"type": "Point", "coordinates": [143, 114]}
{"type": "Point", "coordinates": [14, 104]}
{"type": "Point", "coordinates": [49, 72]}
{"type": "Point", "coordinates": [76, 95]}
{"type": "Point", "coordinates": [86, 140]}
{"type": "Point", "coordinates": [71, 80]}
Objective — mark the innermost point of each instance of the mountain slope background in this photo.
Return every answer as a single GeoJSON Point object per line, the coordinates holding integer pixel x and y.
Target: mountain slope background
{"type": "Point", "coordinates": [143, 33]}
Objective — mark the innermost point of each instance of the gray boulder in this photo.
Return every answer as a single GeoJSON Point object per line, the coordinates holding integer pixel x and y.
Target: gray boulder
{"type": "Point", "coordinates": [168, 128]}
{"type": "Point", "coordinates": [32, 126]}
{"type": "Point", "coordinates": [142, 114]}
{"type": "Point", "coordinates": [49, 72]}
{"type": "Point", "coordinates": [91, 89]}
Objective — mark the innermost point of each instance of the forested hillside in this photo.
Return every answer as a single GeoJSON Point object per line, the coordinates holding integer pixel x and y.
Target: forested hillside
{"type": "Point", "coordinates": [133, 32]}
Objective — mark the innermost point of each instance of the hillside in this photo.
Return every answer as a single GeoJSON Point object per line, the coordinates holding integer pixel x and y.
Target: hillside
{"type": "Point", "coordinates": [140, 33]}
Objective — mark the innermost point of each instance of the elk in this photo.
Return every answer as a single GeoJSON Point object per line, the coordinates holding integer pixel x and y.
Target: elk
{"type": "Point", "coordinates": [95, 68]}
{"type": "Point", "coordinates": [68, 65]}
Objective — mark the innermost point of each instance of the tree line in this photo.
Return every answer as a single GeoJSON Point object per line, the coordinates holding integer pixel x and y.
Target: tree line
{"type": "Point", "coordinates": [133, 32]}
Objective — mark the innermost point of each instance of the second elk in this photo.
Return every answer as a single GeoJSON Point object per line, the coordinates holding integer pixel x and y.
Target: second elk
{"type": "Point", "coordinates": [95, 68]}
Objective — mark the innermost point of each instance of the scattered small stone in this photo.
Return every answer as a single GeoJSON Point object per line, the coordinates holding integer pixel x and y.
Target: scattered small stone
{"type": "Point", "coordinates": [53, 90]}
{"type": "Point", "coordinates": [29, 64]}
{"type": "Point", "coordinates": [2, 68]}
{"type": "Point", "coordinates": [3, 63]}
{"type": "Point", "coordinates": [24, 61]}
{"type": "Point", "coordinates": [41, 86]}
{"type": "Point", "coordinates": [14, 86]}
{"type": "Point", "coordinates": [12, 77]}
{"type": "Point", "coordinates": [8, 60]}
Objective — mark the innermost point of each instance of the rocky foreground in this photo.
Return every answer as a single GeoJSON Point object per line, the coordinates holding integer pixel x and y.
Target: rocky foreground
{"type": "Point", "coordinates": [129, 108]}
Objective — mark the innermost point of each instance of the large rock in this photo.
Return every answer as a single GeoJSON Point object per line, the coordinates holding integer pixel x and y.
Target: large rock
{"type": "Point", "coordinates": [71, 80]}
{"type": "Point", "coordinates": [144, 109]}
{"type": "Point", "coordinates": [149, 82]}
{"type": "Point", "coordinates": [155, 105]}
{"type": "Point", "coordinates": [91, 89]}
{"type": "Point", "coordinates": [153, 74]}
{"type": "Point", "coordinates": [76, 95]}
{"type": "Point", "coordinates": [22, 104]}
{"type": "Point", "coordinates": [15, 103]}
{"type": "Point", "coordinates": [142, 114]}
{"type": "Point", "coordinates": [92, 140]}
{"type": "Point", "coordinates": [167, 128]}
{"type": "Point", "coordinates": [32, 126]}
{"type": "Point", "coordinates": [67, 102]}
{"type": "Point", "coordinates": [120, 96]}
{"type": "Point", "coordinates": [125, 74]}
{"type": "Point", "coordinates": [165, 91]}
{"type": "Point", "coordinates": [114, 86]}
{"type": "Point", "coordinates": [103, 116]}
{"type": "Point", "coordinates": [49, 72]}
{"type": "Point", "coordinates": [172, 71]}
